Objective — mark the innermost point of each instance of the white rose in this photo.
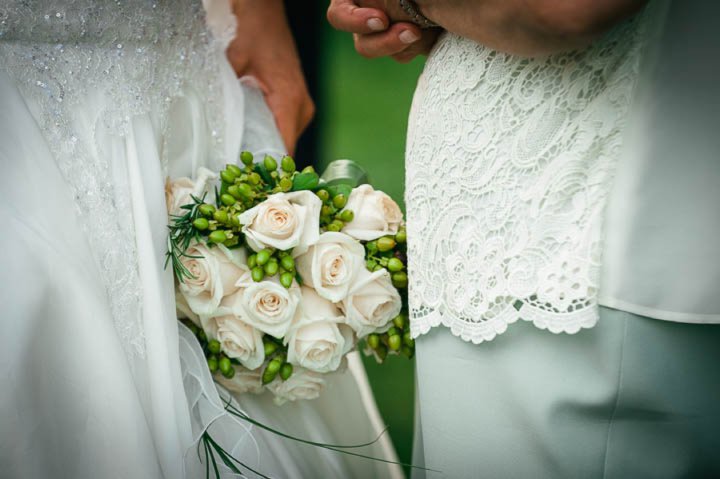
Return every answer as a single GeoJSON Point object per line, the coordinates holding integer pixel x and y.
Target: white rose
{"type": "Point", "coordinates": [317, 341]}
{"type": "Point", "coordinates": [244, 381]}
{"type": "Point", "coordinates": [331, 264]}
{"type": "Point", "coordinates": [303, 384]}
{"type": "Point", "coordinates": [267, 305]}
{"type": "Point", "coordinates": [237, 339]}
{"type": "Point", "coordinates": [372, 303]}
{"type": "Point", "coordinates": [283, 221]}
{"type": "Point", "coordinates": [215, 272]}
{"type": "Point", "coordinates": [375, 214]}
{"type": "Point", "coordinates": [178, 191]}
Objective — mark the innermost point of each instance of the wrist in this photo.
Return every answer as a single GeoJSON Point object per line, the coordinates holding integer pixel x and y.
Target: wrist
{"type": "Point", "coordinates": [412, 9]}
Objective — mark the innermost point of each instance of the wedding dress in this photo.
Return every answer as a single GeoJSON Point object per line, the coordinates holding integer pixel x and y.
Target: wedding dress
{"type": "Point", "coordinates": [99, 102]}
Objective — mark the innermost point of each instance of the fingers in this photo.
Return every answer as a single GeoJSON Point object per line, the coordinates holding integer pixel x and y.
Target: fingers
{"type": "Point", "coordinates": [398, 38]}
{"type": "Point", "coordinates": [345, 15]}
{"type": "Point", "coordinates": [421, 47]}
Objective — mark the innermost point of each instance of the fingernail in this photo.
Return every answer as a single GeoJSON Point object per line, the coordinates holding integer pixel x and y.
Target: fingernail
{"type": "Point", "coordinates": [375, 24]}
{"type": "Point", "coordinates": [408, 37]}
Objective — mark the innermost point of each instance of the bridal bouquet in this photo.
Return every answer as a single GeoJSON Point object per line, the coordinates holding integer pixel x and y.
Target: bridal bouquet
{"type": "Point", "coordinates": [280, 273]}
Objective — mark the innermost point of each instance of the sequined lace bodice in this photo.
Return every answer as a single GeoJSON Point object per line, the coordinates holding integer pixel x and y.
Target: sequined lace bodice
{"type": "Point", "coordinates": [509, 163]}
{"type": "Point", "coordinates": [87, 68]}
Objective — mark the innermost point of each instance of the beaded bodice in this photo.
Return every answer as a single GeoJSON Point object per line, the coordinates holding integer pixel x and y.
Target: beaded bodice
{"type": "Point", "coordinates": [87, 69]}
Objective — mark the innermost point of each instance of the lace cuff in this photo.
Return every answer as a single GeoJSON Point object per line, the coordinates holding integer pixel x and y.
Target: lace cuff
{"type": "Point", "coordinates": [424, 319]}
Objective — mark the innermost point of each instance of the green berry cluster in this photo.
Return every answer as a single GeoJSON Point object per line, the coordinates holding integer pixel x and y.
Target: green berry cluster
{"type": "Point", "coordinates": [269, 262]}
{"type": "Point", "coordinates": [243, 188]}
{"type": "Point", "coordinates": [217, 361]}
{"type": "Point", "coordinates": [275, 360]}
{"type": "Point", "coordinates": [333, 216]}
{"type": "Point", "coordinates": [275, 356]}
{"type": "Point", "coordinates": [389, 252]}
{"type": "Point", "coordinates": [396, 340]}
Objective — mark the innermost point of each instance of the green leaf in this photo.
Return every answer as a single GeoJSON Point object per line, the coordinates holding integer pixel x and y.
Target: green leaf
{"type": "Point", "coordinates": [305, 181]}
{"type": "Point", "coordinates": [264, 173]}
{"type": "Point", "coordinates": [339, 189]}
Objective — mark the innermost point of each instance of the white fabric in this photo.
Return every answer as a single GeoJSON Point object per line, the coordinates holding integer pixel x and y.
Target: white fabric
{"type": "Point", "coordinates": [509, 164]}
{"type": "Point", "coordinates": [99, 101]}
{"type": "Point", "coordinates": [663, 222]}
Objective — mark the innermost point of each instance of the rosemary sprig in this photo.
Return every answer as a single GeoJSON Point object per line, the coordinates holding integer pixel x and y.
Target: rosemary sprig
{"type": "Point", "coordinates": [182, 234]}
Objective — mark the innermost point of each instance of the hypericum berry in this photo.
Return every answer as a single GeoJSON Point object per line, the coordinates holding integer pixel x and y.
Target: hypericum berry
{"type": "Point", "coordinates": [234, 192]}
{"type": "Point", "coordinates": [386, 243]}
{"type": "Point", "coordinates": [257, 273]}
{"type": "Point", "coordinates": [226, 367]}
{"type": "Point", "coordinates": [234, 169]}
{"type": "Point", "coordinates": [247, 158]}
{"type": "Point", "coordinates": [227, 200]}
{"type": "Point", "coordinates": [270, 347]}
{"type": "Point", "coordinates": [287, 262]}
{"type": "Point", "coordinates": [201, 224]}
{"type": "Point", "coordinates": [263, 257]}
{"type": "Point", "coordinates": [212, 363]}
{"type": "Point", "coordinates": [271, 268]}
{"type": "Point", "coordinates": [339, 201]}
{"type": "Point", "coordinates": [286, 279]}
{"type": "Point", "coordinates": [286, 184]}
{"type": "Point", "coordinates": [400, 280]}
{"type": "Point", "coordinates": [395, 265]}
{"type": "Point", "coordinates": [227, 176]}
{"type": "Point", "coordinates": [286, 371]}
{"type": "Point", "coordinates": [347, 216]}
{"type": "Point", "coordinates": [206, 210]}
{"type": "Point", "coordinates": [270, 163]}
{"type": "Point", "coordinates": [287, 164]}
{"type": "Point", "coordinates": [217, 236]}
{"type": "Point", "coordinates": [214, 346]}
{"type": "Point", "coordinates": [221, 216]}
{"type": "Point", "coordinates": [323, 195]}
{"type": "Point", "coordinates": [254, 179]}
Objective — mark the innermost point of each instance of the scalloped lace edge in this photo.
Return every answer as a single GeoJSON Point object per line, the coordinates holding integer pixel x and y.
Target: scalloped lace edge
{"type": "Point", "coordinates": [489, 329]}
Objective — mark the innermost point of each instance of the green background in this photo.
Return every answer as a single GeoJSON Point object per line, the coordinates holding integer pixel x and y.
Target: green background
{"type": "Point", "coordinates": [363, 117]}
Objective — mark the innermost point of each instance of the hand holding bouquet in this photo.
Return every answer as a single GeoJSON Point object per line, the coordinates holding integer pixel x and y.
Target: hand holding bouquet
{"type": "Point", "coordinates": [280, 273]}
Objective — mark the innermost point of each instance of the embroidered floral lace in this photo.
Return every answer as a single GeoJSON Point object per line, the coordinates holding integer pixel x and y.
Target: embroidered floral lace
{"type": "Point", "coordinates": [135, 56]}
{"type": "Point", "coordinates": [509, 163]}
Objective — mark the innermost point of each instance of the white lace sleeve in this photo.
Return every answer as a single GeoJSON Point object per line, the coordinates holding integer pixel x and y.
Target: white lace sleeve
{"type": "Point", "coordinates": [509, 162]}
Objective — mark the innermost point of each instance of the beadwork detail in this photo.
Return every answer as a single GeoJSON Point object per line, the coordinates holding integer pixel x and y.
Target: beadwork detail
{"type": "Point", "coordinates": [133, 57]}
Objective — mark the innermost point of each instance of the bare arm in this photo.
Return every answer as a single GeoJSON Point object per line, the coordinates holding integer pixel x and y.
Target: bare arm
{"type": "Point", "coordinates": [264, 48]}
{"type": "Point", "coordinates": [522, 27]}
{"type": "Point", "coordinates": [529, 27]}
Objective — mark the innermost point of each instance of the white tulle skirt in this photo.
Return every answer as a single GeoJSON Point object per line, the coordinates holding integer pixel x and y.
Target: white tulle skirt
{"type": "Point", "coordinates": [73, 403]}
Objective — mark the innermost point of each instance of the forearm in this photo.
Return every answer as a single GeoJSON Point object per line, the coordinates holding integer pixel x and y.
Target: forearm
{"type": "Point", "coordinates": [262, 29]}
{"type": "Point", "coordinates": [529, 27]}
{"type": "Point", "coordinates": [264, 48]}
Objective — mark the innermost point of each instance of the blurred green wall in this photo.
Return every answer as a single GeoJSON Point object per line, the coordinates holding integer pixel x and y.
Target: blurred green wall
{"type": "Point", "coordinates": [363, 116]}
